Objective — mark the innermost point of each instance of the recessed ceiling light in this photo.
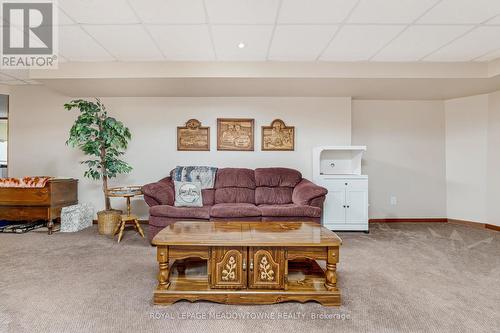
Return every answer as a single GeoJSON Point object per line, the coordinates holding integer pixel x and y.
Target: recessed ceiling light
{"type": "Point", "coordinates": [241, 45]}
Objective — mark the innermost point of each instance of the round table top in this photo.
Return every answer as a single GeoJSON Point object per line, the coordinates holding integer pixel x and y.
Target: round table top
{"type": "Point", "coordinates": [124, 191]}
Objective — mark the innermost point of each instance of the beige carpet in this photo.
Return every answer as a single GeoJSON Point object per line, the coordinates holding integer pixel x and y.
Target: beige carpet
{"type": "Point", "coordinates": [425, 277]}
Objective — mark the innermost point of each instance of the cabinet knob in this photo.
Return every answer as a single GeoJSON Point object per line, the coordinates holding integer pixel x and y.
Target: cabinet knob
{"type": "Point", "coordinates": [347, 206]}
{"type": "Point", "coordinates": [346, 184]}
{"type": "Point", "coordinates": [343, 206]}
{"type": "Point", "coordinates": [244, 266]}
{"type": "Point", "coordinates": [251, 265]}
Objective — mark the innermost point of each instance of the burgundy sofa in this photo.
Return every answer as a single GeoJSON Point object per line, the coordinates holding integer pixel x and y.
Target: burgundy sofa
{"type": "Point", "coordinates": [263, 194]}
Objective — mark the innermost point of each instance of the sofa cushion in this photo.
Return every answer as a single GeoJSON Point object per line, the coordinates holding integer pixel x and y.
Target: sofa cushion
{"type": "Point", "coordinates": [234, 210]}
{"type": "Point", "coordinates": [234, 195]}
{"type": "Point", "coordinates": [181, 212]}
{"type": "Point", "coordinates": [235, 177]}
{"type": "Point", "coordinates": [208, 196]}
{"type": "Point", "coordinates": [273, 195]}
{"type": "Point", "coordinates": [277, 177]}
{"type": "Point", "coordinates": [290, 210]}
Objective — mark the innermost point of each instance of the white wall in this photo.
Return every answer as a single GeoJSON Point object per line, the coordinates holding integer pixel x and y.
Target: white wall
{"type": "Point", "coordinates": [493, 174]}
{"type": "Point", "coordinates": [39, 127]}
{"type": "Point", "coordinates": [473, 158]}
{"type": "Point", "coordinates": [405, 156]}
{"type": "Point", "coordinates": [466, 157]}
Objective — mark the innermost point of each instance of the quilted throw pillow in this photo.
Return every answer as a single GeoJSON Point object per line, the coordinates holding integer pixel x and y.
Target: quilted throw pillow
{"type": "Point", "coordinates": [188, 194]}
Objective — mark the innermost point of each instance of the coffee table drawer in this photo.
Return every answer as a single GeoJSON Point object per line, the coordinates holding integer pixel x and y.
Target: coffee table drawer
{"type": "Point", "coordinates": [228, 267]}
{"type": "Point", "coordinates": [266, 268]}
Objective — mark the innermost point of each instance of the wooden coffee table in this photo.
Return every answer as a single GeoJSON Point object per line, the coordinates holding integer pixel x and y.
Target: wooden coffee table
{"type": "Point", "coordinates": [247, 263]}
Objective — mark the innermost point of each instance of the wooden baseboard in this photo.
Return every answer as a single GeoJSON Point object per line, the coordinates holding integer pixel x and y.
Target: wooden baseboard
{"type": "Point", "coordinates": [409, 220]}
{"type": "Point", "coordinates": [492, 227]}
{"type": "Point", "coordinates": [467, 223]}
{"type": "Point", "coordinates": [471, 224]}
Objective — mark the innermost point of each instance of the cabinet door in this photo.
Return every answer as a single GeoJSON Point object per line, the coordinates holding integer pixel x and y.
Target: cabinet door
{"type": "Point", "coordinates": [334, 207]}
{"type": "Point", "coordinates": [266, 268]}
{"type": "Point", "coordinates": [357, 202]}
{"type": "Point", "coordinates": [228, 267]}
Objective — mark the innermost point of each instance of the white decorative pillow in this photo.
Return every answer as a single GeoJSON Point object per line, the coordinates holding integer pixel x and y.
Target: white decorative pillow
{"type": "Point", "coordinates": [188, 194]}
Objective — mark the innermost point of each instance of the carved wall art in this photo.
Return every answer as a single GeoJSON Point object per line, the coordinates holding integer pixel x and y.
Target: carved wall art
{"type": "Point", "coordinates": [235, 134]}
{"type": "Point", "coordinates": [278, 136]}
{"type": "Point", "coordinates": [193, 137]}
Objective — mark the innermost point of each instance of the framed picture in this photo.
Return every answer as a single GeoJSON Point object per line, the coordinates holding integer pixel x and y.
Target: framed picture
{"type": "Point", "coordinates": [235, 134]}
{"type": "Point", "coordinates": [278, 136]}
{"type": "Point", "coordinates": [193, 136]}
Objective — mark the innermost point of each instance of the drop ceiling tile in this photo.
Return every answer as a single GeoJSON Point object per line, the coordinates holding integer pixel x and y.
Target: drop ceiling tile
{"type": "Point", "coordinates": [418, 41]}
{"type": "Point", "coordinates": [255, 37]}
{"type": "Point", "coordinates": [315, 11]}
{"type": "Point", "coordinates": [462, 11]}
{"type": "Point", "coordinates": [125, 42]}
{"type": "Point", "coordinates": [360, 42]}
{"type": "Point", "coordinates": [63, 19]}
{"type": "Point", "coordinates": [99, 11]}
{"type": "Point", "coordinates": [170, 11]}
{"type": "Point", "coordinates": [495, 20]}
{"type": "Point", "coordinates": [490, 56]}
{"type": "Point", "coordinates": [242, 11]}
{"type": "Point", "coordinates": [76, 45]}
{"type": "Point", "coordinates": [183, 42]}
{"type": "Point", "coordinates": [300, 42]}
{"type": "Point", "coordinates": [389, 11]}
{"type": "Point", "coordinates": [474, 44]}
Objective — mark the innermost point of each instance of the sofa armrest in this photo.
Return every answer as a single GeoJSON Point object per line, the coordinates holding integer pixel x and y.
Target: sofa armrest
{"type": "Point", "coordinates": [306, 192]}
{"type": "Point", "coordinates": [159, 193]}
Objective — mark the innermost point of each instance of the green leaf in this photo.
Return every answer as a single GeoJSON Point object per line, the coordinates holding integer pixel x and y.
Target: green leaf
{"type": "Point", "coordinates": [99, 136]}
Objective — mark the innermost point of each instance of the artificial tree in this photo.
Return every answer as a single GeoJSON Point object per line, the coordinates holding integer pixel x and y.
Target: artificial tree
{"type": "Point", "coordinates": [104, 139]}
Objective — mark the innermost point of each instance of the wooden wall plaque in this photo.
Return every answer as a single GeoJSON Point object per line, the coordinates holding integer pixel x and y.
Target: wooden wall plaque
{"type": "Point", "coordinates": [193, 136]}
{"type": "Point", "coordinates": [278, 136]}
{"type": "Point", "coordinates": [235, 134]}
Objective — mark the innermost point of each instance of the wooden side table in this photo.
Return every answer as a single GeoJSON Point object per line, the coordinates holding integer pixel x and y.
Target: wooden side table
{"type": "Point", "coordinates": [127, 193]}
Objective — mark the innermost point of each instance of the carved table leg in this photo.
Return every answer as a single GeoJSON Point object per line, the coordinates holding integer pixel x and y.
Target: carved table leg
{"type": "Point", "coordinates": [163, 273]}
{"type": "Point", "coordinates": [331, 269]}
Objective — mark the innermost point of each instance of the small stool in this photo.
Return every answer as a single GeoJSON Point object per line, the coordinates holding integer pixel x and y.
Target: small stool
{"type": "Point", "coordinates": [126, 218]}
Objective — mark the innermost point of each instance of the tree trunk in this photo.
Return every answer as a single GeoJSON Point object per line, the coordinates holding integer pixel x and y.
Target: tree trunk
{"type": "Point", "coordinates": [105, 190]}
{"type": "Point", "coordinates": [107, 202]}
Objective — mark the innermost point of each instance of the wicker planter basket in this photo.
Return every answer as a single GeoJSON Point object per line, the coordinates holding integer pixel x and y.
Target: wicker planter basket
{"type": "Point", "coordinates": [107, 221]}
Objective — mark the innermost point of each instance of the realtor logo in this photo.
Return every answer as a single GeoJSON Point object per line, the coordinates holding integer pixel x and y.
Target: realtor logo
{"type": "Point", "coordinates": [28, 34]}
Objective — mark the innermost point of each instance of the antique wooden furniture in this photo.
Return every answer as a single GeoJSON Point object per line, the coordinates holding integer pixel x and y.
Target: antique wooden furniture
{"type": "Point", "coordinates": [126, 192]}
{"type": "Point", "coordinates": [247, 262]}
{"type": "Point", "coordinates": [38, 203]}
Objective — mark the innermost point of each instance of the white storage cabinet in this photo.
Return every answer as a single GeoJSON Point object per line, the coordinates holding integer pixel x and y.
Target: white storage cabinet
{"type": "Point", "coordinates": [338, 169]}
